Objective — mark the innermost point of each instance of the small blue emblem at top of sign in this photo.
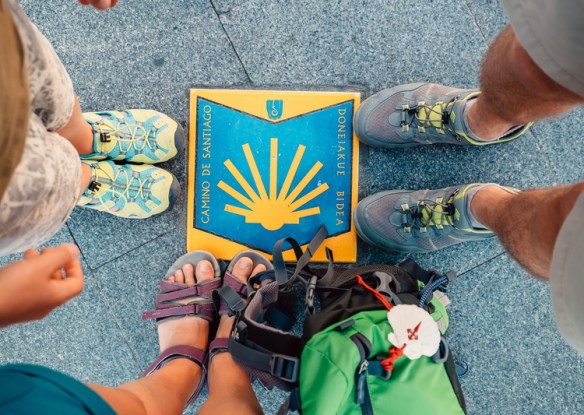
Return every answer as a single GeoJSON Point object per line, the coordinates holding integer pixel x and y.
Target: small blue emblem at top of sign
{"type": "Point", "coordinates": [274, 108]}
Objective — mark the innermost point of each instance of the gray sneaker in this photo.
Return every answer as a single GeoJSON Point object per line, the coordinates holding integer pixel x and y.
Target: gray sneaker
{"type": "Point", "coordinates": [418, 114]}
{"type": "Point", "coordinates": [420, 221]}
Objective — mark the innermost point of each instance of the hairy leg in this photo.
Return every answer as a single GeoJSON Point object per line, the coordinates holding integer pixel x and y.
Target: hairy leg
{"type": "Point", "coordinates": [527, 223]}
{"type": "Point", "coordinates": [515, 90]}
{"type": "Point", "coordinates": [79, 133]}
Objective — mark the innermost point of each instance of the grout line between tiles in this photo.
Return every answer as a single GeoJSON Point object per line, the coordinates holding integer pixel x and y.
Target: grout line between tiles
{"type": "Point", "coordinates": [476, 22]}
{"type": "Point", "coordinates": [106, 303]}
{"type": "Point", "coordinates": [230, 41]}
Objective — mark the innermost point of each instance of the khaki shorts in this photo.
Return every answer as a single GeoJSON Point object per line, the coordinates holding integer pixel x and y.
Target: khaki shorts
{"type": "Point", "coordinates": [567, 277]}
{"type": "Point", "coordinates": [552, 33]}
{"type": "Point", "coordinates": [45, 185]}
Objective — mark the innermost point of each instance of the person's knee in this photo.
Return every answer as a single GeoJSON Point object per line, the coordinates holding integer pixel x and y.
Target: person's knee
{"type": "Point", "coordinates": [122, 401]}
{"type": "Point", "coordinates": [530, 77]}
{"type": "Point", "coordinates": [553, 214]}
{"type": "Point", "coordinates": [565, 203]}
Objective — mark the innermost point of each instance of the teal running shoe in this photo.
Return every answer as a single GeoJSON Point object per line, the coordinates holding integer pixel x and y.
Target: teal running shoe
{"type": "Point", "coordinates": [128, 190]}
{"type": "Point", "coordinates": [418, 114]}
{"type": "Point", "coordinates": [420, 221]}
{"type": "Point", "coordinates": [138, 136]}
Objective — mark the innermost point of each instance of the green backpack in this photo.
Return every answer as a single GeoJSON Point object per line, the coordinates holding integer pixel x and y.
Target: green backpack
{"type": "Point", "coordinates": [339, 360]}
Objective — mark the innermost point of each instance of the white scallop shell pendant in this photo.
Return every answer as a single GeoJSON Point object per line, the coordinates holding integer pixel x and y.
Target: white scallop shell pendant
{"type": "Point", "coordinates": [415, 328]}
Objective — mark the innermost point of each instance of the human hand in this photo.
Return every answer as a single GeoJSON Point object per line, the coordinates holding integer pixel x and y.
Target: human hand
{"type": "Point", "coordinates": [100, 4]}
{"type": "Point", "coordinates": [31, 288]}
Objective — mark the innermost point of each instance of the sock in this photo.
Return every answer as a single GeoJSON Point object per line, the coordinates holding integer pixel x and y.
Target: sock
{"type": "Point", "coordinates": [470, 194]}
{"type": "Point", "coordinates": [471, 134]}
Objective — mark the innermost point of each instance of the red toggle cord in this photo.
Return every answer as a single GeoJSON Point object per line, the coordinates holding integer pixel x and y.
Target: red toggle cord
{"type": "Point", "coordinates": [395, 352]}
{"type": "Point", "coordinates": [374, 292]}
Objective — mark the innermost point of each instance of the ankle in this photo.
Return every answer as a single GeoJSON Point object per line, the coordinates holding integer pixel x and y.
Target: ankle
{"type": "Point", "coordinates": [488, 204]}
{"type": "Point", "coordinates": [483, 123]}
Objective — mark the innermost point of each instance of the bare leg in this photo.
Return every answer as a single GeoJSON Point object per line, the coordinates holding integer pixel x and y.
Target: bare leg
{"type": "Point", "coordinates": [78, 132]}
{"type": "Point", "coordinates": [515, 90]}
{"type": "Point", "coordinates": [167, 390]}
{"type": "Point", "coordinates": [527, 223]}
{"type": "Point", "coordinates": [230, 391]}
{"type": "Point", "coordinates": [85, 177]}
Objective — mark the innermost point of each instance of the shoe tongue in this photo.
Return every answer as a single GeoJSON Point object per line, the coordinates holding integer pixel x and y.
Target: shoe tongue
{"type": "Point", "coordinates": [464, 215]}
{"type": "Point", "coordinates": [437, 214]}
{"type": "Point", "coordinates": [462, 212]}
{"type": "Point", "coordinates": [432, 116]}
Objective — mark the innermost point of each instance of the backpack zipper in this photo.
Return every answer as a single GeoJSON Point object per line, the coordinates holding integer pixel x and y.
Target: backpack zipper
{"type": "Point", "coordinates": [361, 390]}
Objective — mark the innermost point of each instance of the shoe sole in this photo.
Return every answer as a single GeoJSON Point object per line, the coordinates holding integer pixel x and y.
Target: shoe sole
{"type": "Point", "coordinates": [256, 257]}
{"type": "Point", "coordinates": [179, 139]}
{"type": "Point", "coordinates": [194, 258]}
{"type": "Point", "coordinates": [175, 192]}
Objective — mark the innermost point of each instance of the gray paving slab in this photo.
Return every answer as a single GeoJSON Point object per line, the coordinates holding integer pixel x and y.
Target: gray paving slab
{"type": "Point", "coordinates": [502, 327]}
{"type": "Point", "coordinates": [103, 237]}
{"type": "Point", "coordinates": [130, 284]}
{"type": "Point", "coordinates": [79, 338]}
{"type": "Point", "coordinates": [142, 54]}
{"type": "Point", "coordinates": [488, 15]}
{"type": "Point", "coordinates": [367, 42]}
{"type": "Point", "coordinates": [561, 142]}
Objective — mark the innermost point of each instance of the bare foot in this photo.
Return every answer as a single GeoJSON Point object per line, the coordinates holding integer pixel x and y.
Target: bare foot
{"type": "Point", "coordinates": [186, 330]}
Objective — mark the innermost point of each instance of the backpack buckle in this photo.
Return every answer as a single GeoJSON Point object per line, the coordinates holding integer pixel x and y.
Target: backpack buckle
{"type": "Point", "coordinates": [310, 295]}
{"type": "Point", "coordinates": [285, 367]}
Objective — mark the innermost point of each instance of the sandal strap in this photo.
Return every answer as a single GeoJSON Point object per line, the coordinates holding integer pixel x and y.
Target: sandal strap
{"type": "Point", "coordinates": [205, 310]}
{"type": "Point", "coordinates": [172, 289]}
{"type": "Point", "coordinates": [194, 354]}
{"type": "Point", "coordinates": [231, 295]}
{"type": "Point", "coordinates": [218, 345]}
{"type": "Point", "coordinates": [171, 292]}
{"type": "Point", "coordinates": [235, 283]}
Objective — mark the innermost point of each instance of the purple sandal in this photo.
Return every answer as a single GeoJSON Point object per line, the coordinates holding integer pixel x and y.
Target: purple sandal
{"type": "Point", "coordinates": [202, 306]}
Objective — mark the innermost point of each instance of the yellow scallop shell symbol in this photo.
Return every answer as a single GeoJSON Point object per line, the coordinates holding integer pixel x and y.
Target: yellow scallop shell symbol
{"type": "Point", "coordinates": [279, 207]}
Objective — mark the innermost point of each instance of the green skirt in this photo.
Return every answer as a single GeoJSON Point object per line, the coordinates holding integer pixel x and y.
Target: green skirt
{"type": "Point", "coordinates": [30, 389]}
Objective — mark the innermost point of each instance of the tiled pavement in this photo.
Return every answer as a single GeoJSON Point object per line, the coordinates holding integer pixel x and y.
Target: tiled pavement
{"type": "Point", "coordinates": [147, 53]}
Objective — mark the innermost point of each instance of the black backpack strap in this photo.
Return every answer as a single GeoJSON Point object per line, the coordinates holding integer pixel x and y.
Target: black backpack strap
{"type": "Point", "coordinates": [281, 273]}
{"type": "Point", "coordinates": [247, 354]}
{"type": "Point", "coordinates": [302, 258]}
{"type": "Point", "coordinates": [266, 352]}
{"type": "Point", "coordinates": [269, 351]}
